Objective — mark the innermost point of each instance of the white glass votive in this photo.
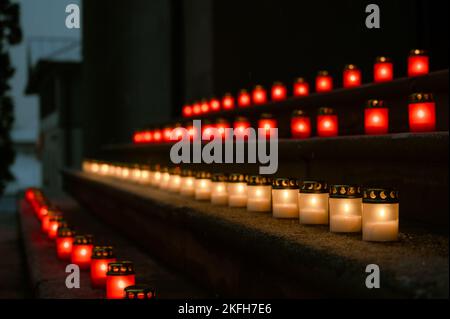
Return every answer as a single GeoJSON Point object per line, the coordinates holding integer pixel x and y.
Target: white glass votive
{"type": "Point", "coordinates": [165, 178]}
{"type": "Point", "coordinates": [285, 198]}
{"type": "Point", "coordinates": [155, 176]}
{"type": "Point", "coordinates": [313, 203]}
{"type": "Point", "coordinates": [145, 175]}
{"type": "Point", "coordinates": [345, 208]}
{"type": "Point", "coordinates": [380, 215]}
{"type": "Point", "coordinates": [237, 190]}
{"type": "Point", "coordinates": [203, 186]}
{"type": "Point", "coordinates": [187, 187]}
{"type": "Point", "coordinates": [174, 180]}
{"type": "Point", "coordinates": [219, 193]}
{"type": "Point", "coordinates": [135, 173]}
{"type": "Point", "coordinates": [86, 165]}
{"type": "Point", "coordinates": [125, 172]}
{"type": "Point", "coordinates": [259, 193]}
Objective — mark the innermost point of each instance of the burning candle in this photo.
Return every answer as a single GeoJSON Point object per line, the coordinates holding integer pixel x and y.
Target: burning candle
{"type": "Point", "coordinates": [136, 173]}
{"type": "Point", "coordinates": [175, 180]}
{"type": "Point", "coordinates": [418, 63]}
{"type": "Point", "coordinates": [45, 221]}
{"type": "Point", "coordinates": [221, 126]}
{"type": "Point", "coordinates": [101, 257]}
{"type": "Point", "coordinates": [204, 106]}
{"type": "Point", "coordinates": [285, 198]}
{"type": "Point", "coordinates": [82, 251]}
{"type": "Point", "coordinates": [267, 122]}
{"type": "Point", "coordinates": [301, 87]}
{"type": "Point", "coordinates": [187, 183]}
{"type": "Point", "coordinates": [140, 292]}
{"type": "Point", "coordinates": [54, 224]}
{"type": "Point", "coordinates": [324, 82]}
{"type": "Point", "coordinates": [196, 109]}
{"type": "Point", "coordinates": [167, 133]}
{"type": "Point", "coordinates": [279, 92]}
{"type": "Point", "coordinates": [327, 122]}
{"type": "Point", "coordinates": [345, 209]}
{"type": "Point", "coordinates": [187, 111]}
{"type": "Point", "coordinates": [157, 136]}
{"type": "Point", "coordinates": [376, 118]}
{"type": "Point", "coordinates": [313, 203]}
{"type": "Point", "coordinates": [300, 125]}
{"type": "Point", "coordinates": [219, 194]}
{"type": "Point", "coordinates": [237, 190]}
{"type": "Point", "coordinates": [259, 95]}
{"type": "Point", "coordinates": [214, 105]}
{"type": "Point", "coordinates": [244, 99]}
{"type": "Point", "coordinates": [148, 136]}
{"type": "Point", "coordinates": [155, 177]}
{"type": "Point", "coordinates": [125, 171]}
{"type": "Point", "coordinates": [380, 215]}
{"type": "Point", "coordinates": [64, 242]}
{"type": "Point", "coordinates": [138, 138]}
{"type": "Point", "coordinates": [177, 133]}
{"type": "Point", "coordinates": [352, 76]}
{"type": "Point", "coordinates": [203, 186]}
{"type": "Point", "coordinates": [228, 102]}
{"type": "Point", "coordinates": [120, 275]}
{"type": "Point", "coordinates": [165, 178]}
{"type": "Point", "coordinates": [259, 193]}
{"type": "Point", "coordinates": [422, 112]}
{"type": "Point", "coordinates": [383, 70]}
{"type": "Point", "coordinates": [145, 175]}
{"type": "Point", "coordinates": [207, 130]}
{"type": "Point", "coordinates": [240, 125]}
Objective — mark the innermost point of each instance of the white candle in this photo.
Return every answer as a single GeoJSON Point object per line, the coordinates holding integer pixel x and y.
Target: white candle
{"type": "Point", "coordinates": [174, 183]}
{"type": "Point", "coordinates": [125, 172]}
{"type": "Point", "coordinates": [284, 203]}
{"type": "Point", "coordinates": [313, 203]}
{"type": "Point", "coordinates": [237, 194]}
{"type": "Point", "coordinates": [164, 181]}
{"type": "Point", "coordinates": [345, 209]}
{"type": "Point", "coordinates": [145, 176]}
{"type": "Point", "coordinates": [345, 223]}
{"type": "Point", "coordinates": [187, 186]}
{"type": "Point", "coordinates": [136, 174]}
{"type": "Point", "coordinates": [203, 186]}
{"type": "Point", "coordinates": [219, 195]}
{"type": "Point", "coordinates": [156, 178]}
{"type": "Point", "coordinates": [259, 198]}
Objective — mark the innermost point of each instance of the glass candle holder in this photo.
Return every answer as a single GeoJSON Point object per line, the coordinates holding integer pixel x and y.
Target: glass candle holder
{"type": "Point", "coordinates": [327, 123]}
{"type": "Point", "coordinates": [279, 92]}
{"type": "Point", "coordinates": [219, 193]}
{"type": "Point", "coordinates": [383, 70]}
{"type": "Point", "coordinates": [105, 169]}
{"type": "Point", "coordinates": [156, 175]}
{"type": "Point", "coordinates": [101, 257]}
{"type": "Point", "coordinates": [259, 193]}
{"type": "Point", "coordinates": [82, 251]}
{"type": "Point", "coordinates": [237, 190]}
{"type": "Point", "coordinates": [376, 118]}
{"type": "Point", "coordinates": [324, 82]}
{"type": "Point", "coordinates": [157, 136]}
{"type": "Point", "coordinates": [214, 105]}
{"type": "Point", "coordinates": [244, 99]}
{"type": "Point", "coordinates": [120, 275]}
{"type": "Point", "coordinates": [203, 186]}
{"type": "Point", "coordinates": [422, 112]}
{"type": "Point", "coordinates": [240, 125]}
{"type": "Point", "coordinates": [64, 242]}
{"type": "Point", "coordinates": [167, 133]}
{"type": "Point", "coordinates": [165, 178]}
{"type": "Point", "coordinates": [267, 122]}
{"type": "Point", "coordinates": [351, 76]}
{"type": "Point", "coordinates": [301, 87]}
{"type": "Point", "coordinates": [285, 198]}
{"type": "Point", "coordinates": [54, 223]}
{"type": "Point", "coordinates": [145, 175]}
{"type": "Point", "coordinates": [221, 126]}
{"type": "Point", "coordinates": [204, 106]}
{"type": "Point", "coordinates": [259, 95]}
{"type": "Point", "coordinates": [126, 172]}
{"type": "Point", "coordinates": [196, 109]}
{"type": "Point", "coordinates": [174, 180]}
{"type": "Point", "coordinates": [135, 173]}
{"type": "Point", "coordinates": [418, 63]}
{"type": "Point", "coordinates": [380, 215]}
{"type": "Point", "coordinates": [207, 130]}
{"type": "Point", "coordinates": [313, 203]}
{"type": "Point", "coordinates": [138, 138]}
{"type": "Point", "coordinates": [187, 111]}
{"type": "Point", "coordinates": [228, 102]}
{"type": "Point", "coordinates": [140, 292]}
{"type": "Point", "coordinates": [45, 221]}
{"type": "Point", "coordinates": [147, 136]}
{"type": "Point", "coordinates": [300, 125]}
{"type": "Point", "coordinates": [187, 187]}
{"type": "Point", "coordinates": [345, 208]}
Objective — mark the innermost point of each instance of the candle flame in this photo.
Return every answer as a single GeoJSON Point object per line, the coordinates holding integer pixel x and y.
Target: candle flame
{"type": "Point", "coordinates": [420, 114]}
{"type": "Point", "coordinates": [326, 124]}
{"type": "Point", "coordinates": [83, 252]}
{"type": "Point", "coordinates": [103, 267]}
{"type": "Point", "coordinates": [66, 244]}
{"type": "Point", "coordinates": [121, 284]}
{"type": "Point", "coordinates": [258, 193]}
{"type": "Point", "coordinates": [286, 195]}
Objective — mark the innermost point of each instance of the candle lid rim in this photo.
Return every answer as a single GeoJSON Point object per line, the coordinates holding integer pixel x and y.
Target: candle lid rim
{"type": "Point", "coordinates": [300, 79]}
{"type": "Point", "coordinates": [383, 59]}
{"type": "Point", "coordinates": [219, 177]}
{"type": "Point", "coordinates": [292, 183]}
{"type": "Point", "coordinates": [259, 180]}
{"type": "Point", "coordinates": [376, 104]}
{"type": "Point", "coordinates": [325, 110]}
{"type": "Point", "coordinates": [66, 232]}
{"type": "Point", "coordinates": [109, 250]}
{"type": "Point", "coordinates": [323, 73]}
{"type": "Point", "coordinates": [128, 264]}
{"type": "Point", "coordinates": [136, 289]}
{"type": "Point", "coordinates": [237, 178]}
{"type": "Point", "coordinates": [336, 191]}
{"type": "Point", "coordinates": [420, 97]}
{"type": "Point", "coordinates": [187, 173]}
{"type": "Point", "coordinates": [379, 196]}
{"type": "Point", "coordinates": [311, 186]}
{"type": "Point", "coordinates": [418, 52]}
{"type": "Point", "coordinates": [299, 113]}
{"type": "Point", "coordinates": [83, 239]}
{"type": "Point", "coordinates": [203, 175]}
{"type": "Point", "coordinates": [350, 66]}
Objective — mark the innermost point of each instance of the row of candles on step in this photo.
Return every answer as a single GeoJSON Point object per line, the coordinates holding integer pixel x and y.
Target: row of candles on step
{"type": "Point", "coordinates": [106, 272]}
{"type": "Point", "coordinates": [421, 113]}
{"type": "Point", "coordinates": [383, 71]}
{"type": "Point", "coordinates": [345, 208]}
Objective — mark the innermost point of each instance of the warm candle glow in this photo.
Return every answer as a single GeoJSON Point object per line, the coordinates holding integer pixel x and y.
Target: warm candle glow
{"type": "Point", "coordinates": [345, 209]}
{"type": "Point", "coordinates": [376, 118]}
{"type": "Point", "coordinates": [219, 194]}
{"type": "Point", "coordinates": [228, 102]}
{"type": "Point", "coordinates": [101, 257]}
{"type": "Point", "coordinates": [120, 275]}
{"type": "Point", "coordinates": [300, 125]}
{"type": "Point", "coordinates": [187, 111]}
{"type": "Point", "coordinates": [418, 63]}
{"type": "Point", "coordinates": [203, 186]}
{"type": "Point", "coordinates": [313, 203]}
{"type": "Point", "coordinates": [352, 76]}
{"type": "Point", "coordinates": [259, 95]}
{"type": "Point", "coordinates": [244, 99]}
{"type": "Point", "coordinates": [81, 251]}
{"type": "Point", "coordinates": [383, 70]}
{"type": "Point", "coordinates": [284, 198]}
{"type": "Point", "coordinates": [279, 92]}
{"type": "Point", "coordinates": [324, 82]}
{"type": "Point", "coordinates": [215, 105]}
{"type": "Point", "coordinates": [327, 123]}
{"type": "Point", "coordinates": [259, 194]}
{"type": "Point", "coordinates": [422, 113]}
{"type": "Point", "coordinates": [237, 190]}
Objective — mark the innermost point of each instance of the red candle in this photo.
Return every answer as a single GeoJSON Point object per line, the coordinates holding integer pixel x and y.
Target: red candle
{"type": "Point", "coordinates": [383, 70]}
{"type": "Point", "coordinates": [204, 106]}
{"type": "Point", "coordinates": [120, 275]}
{"type": "Point", "coordinates": [244, 99]}
{"type": "Point", "coordinates": [214, 104]}
{"type": "Point", "coordinates": [137, 138]}
{"type": "Point", "coordinates": [167, 132]}
{"type": "Point", "coordinates": [301, 87]}
{"type": "Point", "coordinates": [279, 92]}
{"type": "Point", "coordinates": [300, 125]}
{"type": "Point", "coordinates": [267, 122]}
{"type": "Point", "coordinates": [376, 118]}
{"type": "Point", "coordinates": [178, 131]}
{"type": "Point", "coordinates": [351, 76]}
{"type": "Point", "coordinates": [221, 126]}
{"type": "Point", "coordinates": [101, 257]}
{"type": "Point", "coordinates": [418, 63]}
{"type": "Point", "coordinates": [207, 130]}
{"type": "Point", "coordinates": [422, 113]}
{"type": "Point", "coordinates": [259, 95]}
{"type": "Point", "coordinates": [148, 137]}
{"type": "Point", "coordinates": [42, 211]}
{"type": "Point", "coordinates": [30, 195]}
{"type": "Point", "coordinates": [196, 109]}
{"type": "Point", "coordinates": [54, 223]}
{"type": "Point", "coordinates": [191, 131]}
{"type": "Point", "coordinates": [82, 251]}
{"type": "Point", "coordinates": [64, 242]}
{"type": "Point", "coordinates": [240, 125]}
{"type": "Point", "coordinates": [327, 122]}
{"type": "Point", "coordinates": [157, 136]}
{"type": "Point", "coordinates": [228, 102]}
{"type": "Point", "coordinates": [324, 82]}
{"type": "Point", "coordinates": [187, 111]}
{"type": "Point", "coordinates": [45, 221]}
{"type": "Point", "coordinates": [139, 292]}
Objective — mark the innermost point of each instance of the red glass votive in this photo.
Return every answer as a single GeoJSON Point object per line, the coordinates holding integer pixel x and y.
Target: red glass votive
{"type": "Point", "coordinates": [140, 292]}
{"type": "Point", "coordinates": [228, 102]}
{"type": "Point", "coordinates": [64, 242]}
{"type": "Point", "coordinates": [157, 136]}
{"type": "Point", "coordinates": [147, 136]}
{"type": "Point", "coordinates": [376, 118]}
{"type": "Point", "coordinates": [418, 63]}
{"type": "Point", "coordinates": [244, 99]}
{"type": "Point", "coordinates": [101, 257]}
{"type": "Point", "coordinates": [120, 275]}
{"type": "Point", "coordinates": [167, 133]}
{"type": "Point", "coordinates": [45, 221]}
{"type": "Point", "coordinates": [54, 223]}
{"type": "Point", "coordinates": [351, 76]}
{"type": "Point", "coordinates": [82, 251]}
{"type": "Point", "coordinates": [196, 109]}
{"type": "Point", "coordinates": [137, 138]}
{"type": "Point", "coordinates": [240, 125]}
{"type": "Point", "coordinates": [383, 70]}
{"type": "Point", "coordinates": [422, 112]}
{"type": "Point", "coordinates": [221, 126]}
{"type": "Point", "coordinates": [267, 122]}
{"type": "Point", "coordinates": [207, 130]}
{"type": "Point", "coordinates": [177, 133]}
{"type": "Point", "coordinates": [204, 106]}
{"type": "Point", "coordinates": [300, 125]}
{"type": "Point", "coordinates": [187, 111]}
{"type": "Point", "coordinates": [259, 95]}
{"type": "Point", "coordinates": [327, 123]}
{"type": "Point", "coordinates": [214, 105]}
{"type": "Point", "coordinates": [301, 87]}
{"type": "Point", "coordinates": [279, 92]}
{"type": "Point", "coordinates": [324, 82]}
